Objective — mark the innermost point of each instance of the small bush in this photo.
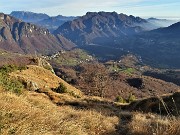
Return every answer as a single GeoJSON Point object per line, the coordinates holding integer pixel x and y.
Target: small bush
{"type": "Point", "coordinates": [120, 99]}
{"type": "Point", "coordinates": [61, 88]}
{"type": "Point", "coordinates": [131, 98]}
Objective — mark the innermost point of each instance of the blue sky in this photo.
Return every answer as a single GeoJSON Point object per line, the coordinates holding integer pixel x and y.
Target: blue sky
{"type": "Point", "coordinates": [143, 8]}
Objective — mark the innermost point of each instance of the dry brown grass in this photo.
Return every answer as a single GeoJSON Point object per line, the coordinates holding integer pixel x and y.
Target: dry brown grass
{"type": "Point", "coordinates": [49, 113]}
{"type": "Point", "coordinates": [43, 78]}
{"type": "Point", "coordinates": [150, 124]}
{"type": "Point", "coordinates": [32, 113]}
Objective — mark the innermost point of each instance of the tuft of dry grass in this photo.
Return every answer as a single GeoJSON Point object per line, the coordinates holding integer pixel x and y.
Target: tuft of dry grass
{"type": "Point", "coordinates": [150, 124]}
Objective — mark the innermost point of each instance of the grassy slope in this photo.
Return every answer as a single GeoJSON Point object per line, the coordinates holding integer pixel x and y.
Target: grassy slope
{"type": "Point", "coordinates": [49, 113]}
{"type": "Point", "coordinates": [33, 113]}
{"type": "Point", "coordinates": [43, 78]}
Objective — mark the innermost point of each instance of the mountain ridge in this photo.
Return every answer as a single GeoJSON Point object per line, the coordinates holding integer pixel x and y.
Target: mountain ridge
{"type": "Point", "coordinates": [28, 16]}
{"type": "Point", "coordinates": [161, 46]}
{"type": "Point", "coordinates": [18, 36]}
{"type": "Point", "coordinates": [43, 20]}
{"type": "Point", "coordinates": [97, 26]}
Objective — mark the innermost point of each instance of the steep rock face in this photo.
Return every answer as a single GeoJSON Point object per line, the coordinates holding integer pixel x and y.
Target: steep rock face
{"type": "Point", "coordinates": [18, 36]}
{"type": "Point", "coordinates": [100, 27]}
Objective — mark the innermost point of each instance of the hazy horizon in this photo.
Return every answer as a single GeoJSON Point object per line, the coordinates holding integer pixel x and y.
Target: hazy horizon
{"type": "Point", "coordinates": [142, 8]}
{"type": "Point", "coordinates": [145, 17]}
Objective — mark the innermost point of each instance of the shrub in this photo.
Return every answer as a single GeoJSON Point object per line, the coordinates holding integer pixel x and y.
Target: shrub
{"type": "Point", "coordinates": [131, 98]}
{"type": "Point", "coordinates": [61, 88]}
{"type": "Point", "coordinates": [120, 99]}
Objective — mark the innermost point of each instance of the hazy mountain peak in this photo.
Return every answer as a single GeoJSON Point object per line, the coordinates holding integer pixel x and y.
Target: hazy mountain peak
{"type": "Point", "coordinates": [153, 18]}
{"type": "Point", "coordinates": [41, 19]}
{"type": "Point", "coordinates": [29, 16]}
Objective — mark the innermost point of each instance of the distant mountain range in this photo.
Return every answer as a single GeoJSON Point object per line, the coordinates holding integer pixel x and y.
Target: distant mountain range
{"type": "Point", "coordinates": [29, 16]}
{"type": "Point", "coordinates": [43, 20]}
{"type": "Point", "coordinates": [106, 34]}
{"type": "Point", "coordinates": [100, 33]}
{"type": "Point", "coordinates": [52, 23]}
{"type": "Point", "coordinates": [101, 27]}
{"type": "Point", "coordinates": [18, 36]}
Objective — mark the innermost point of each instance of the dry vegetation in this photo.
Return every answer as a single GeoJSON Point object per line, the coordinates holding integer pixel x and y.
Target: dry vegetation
{"type": "Point", "coordinates": [42, 78]}
{"type": "Point", "coordinates": [43, 111]}
{"type": "Point", "coordinates": [95, 79]}
{"type": "Point", "coordinates": [33, 113]}
{"type": "Point", "coordinates": [110, 79]}
{"type": "Point", "coordinates": [148, 124]}
{"type": "Point", "coordinates": [8, 58]}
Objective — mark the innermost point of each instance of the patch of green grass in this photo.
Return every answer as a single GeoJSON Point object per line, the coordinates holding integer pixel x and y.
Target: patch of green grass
{"type": "Point", "coordinates": [8, 83]}
{"type": "Point", "coordinates": [115, 68]}
{"type": "Point", "coordinates": [10, 68]}
{"type": "Point", "coordinates": [72, 58]}
{"type": "Point", "coordinates": [128, 70]}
